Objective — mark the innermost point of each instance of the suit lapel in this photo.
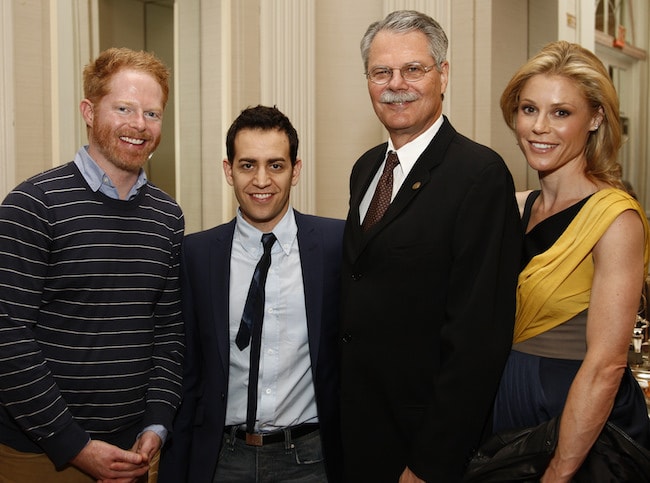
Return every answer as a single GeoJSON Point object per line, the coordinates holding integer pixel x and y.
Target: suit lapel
{"type": "Point", "coordinates": [365, 175]}
{"type": "Point", "coordinates": [219, 276]}
{"type": "Point", "coordinates": [416, 180]}
{"type": "Point", "coordinates": [311, 261]}
{"type": "Point", "coordinates": [361, 182]}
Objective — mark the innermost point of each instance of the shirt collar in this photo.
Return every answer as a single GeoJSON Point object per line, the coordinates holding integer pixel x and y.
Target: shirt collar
{"type": "Point", "coordinates": [411, 151]}
{"type": "Point", "coordinates": [98, 179]}
{"type": "Point", "coordinates": [285, 231]}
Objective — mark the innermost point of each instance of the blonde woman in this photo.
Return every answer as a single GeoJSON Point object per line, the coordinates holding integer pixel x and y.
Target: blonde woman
{"type": "Point", "coordinates": [585, 260]}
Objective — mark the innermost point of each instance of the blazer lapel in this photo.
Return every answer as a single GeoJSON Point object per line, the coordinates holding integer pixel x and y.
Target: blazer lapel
{"type": "Point", "coordinates": [366, 173]}
{"type": "Point", "coordinates": [311, 261]}
{"type": "Point", "coordinates": [219, 276]}
{"type": "Point", "coordinates": [367, 170]}
{"type": "Point", "coordinates": [417, 178]}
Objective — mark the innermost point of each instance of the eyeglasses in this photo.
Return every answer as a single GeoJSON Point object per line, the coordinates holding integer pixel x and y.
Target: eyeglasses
{"type": "Point", "coordinates": [411, 72]}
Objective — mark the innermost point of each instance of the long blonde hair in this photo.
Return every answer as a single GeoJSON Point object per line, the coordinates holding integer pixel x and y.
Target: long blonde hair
{"type": "Point", "coordinates": [590, 76]}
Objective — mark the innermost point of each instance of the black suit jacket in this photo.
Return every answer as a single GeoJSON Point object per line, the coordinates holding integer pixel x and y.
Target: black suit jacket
{"type": "Point", "coordinates": [191, 454]}
{"type": "Point", "coordinates": [428, 302]}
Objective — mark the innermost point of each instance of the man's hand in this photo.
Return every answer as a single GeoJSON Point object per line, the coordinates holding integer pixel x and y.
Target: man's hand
{"type": "Point", "coordinates": [408, 476]}
{"type": "Point", "coordinates": [105, 461]}
{"type": "Point", "coordinates": [147, 445]}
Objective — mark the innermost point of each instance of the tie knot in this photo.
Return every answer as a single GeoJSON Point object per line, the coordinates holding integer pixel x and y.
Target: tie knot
{"type": "Point", "coordinates": [267, 241]}
{"type": "Point", "coordinates": [392, 160]}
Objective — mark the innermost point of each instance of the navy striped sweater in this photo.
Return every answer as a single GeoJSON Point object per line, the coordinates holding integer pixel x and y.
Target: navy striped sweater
{"type": "Point", "coordinates": [91, 335]}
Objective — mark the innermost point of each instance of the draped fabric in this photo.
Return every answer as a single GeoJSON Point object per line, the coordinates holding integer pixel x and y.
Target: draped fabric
{"type": "Point", "coordinates": [556, 284]}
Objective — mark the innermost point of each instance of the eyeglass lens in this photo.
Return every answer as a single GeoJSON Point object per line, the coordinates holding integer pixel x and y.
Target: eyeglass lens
{"type": "Point", "coordinates": [410, 72]}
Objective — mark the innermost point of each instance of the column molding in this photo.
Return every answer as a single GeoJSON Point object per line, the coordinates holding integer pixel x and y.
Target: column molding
{"type": "Point", "coordinates": [7, 118]}
{"type": "Point", "coordinates": [73, 43]}
{"type": "Point", "coordinates": [287, 57]}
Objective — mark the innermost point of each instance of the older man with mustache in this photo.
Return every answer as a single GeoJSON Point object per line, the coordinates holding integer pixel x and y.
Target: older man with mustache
{"type": "Point", "coordinates": [431, 256]}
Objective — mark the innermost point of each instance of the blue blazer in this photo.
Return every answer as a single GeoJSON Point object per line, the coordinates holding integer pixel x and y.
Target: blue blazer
{"type": "Point", "coordinates": [193, 449]}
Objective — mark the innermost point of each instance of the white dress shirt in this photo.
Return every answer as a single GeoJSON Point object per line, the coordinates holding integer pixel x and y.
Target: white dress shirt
{"type": "Point", "coordinates": [285, 388]}
{"type": "Point", "coordinates": [408, 155]}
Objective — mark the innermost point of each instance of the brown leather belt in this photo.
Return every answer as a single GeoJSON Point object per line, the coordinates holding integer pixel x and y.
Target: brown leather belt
{"type": "Point", "coordinates": [280, 436]}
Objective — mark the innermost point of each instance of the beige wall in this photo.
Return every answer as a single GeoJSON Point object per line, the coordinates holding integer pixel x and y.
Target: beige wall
{"type": "Point", "coordinates": [509, 49]}
{"type": "Point", "coordinates": [7, 100]}
{"type": "Point", "coordinates": [488, 41]}
{"type": "Point", "coordinates": [146, 26]}
{"type": "Point", "coordinates": [189, 168]}
{"type": "Point", "coordinates": [302, 55]}
{"type": "Point", "coordinates": [31, 88]}
{"type": "Point", "coordinates": [241, 68]}
{"type": "Point", "coordinates": [346, 124]}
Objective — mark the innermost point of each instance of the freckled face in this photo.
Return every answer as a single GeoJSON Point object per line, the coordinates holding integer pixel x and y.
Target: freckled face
{"type": "Point", "coordinates": [125, 125]}
{"type": "Point", "coordinates": [262, 176]}
{"type": "Point", "coordinates": [553, 123]}
{"type": "Point", "coordinates": [406, 120]}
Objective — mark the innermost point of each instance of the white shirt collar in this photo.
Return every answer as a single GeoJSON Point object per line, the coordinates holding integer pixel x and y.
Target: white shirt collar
{"type": "Point", "coordinates": [411, 151]}
{"type": "Point", "coordinates": [285, 232]}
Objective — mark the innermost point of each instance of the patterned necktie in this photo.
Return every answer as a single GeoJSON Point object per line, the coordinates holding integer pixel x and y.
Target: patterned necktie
{"type": "Point", "coordinates": [254, 307]}
{"type": "Point", "coordinates": [250, 329]}
{"type": "Point", "coordinates": [383, 192]}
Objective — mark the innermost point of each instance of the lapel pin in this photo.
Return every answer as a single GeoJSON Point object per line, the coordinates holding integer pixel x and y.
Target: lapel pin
{"type": "Point", "coordinates": [416, 185]}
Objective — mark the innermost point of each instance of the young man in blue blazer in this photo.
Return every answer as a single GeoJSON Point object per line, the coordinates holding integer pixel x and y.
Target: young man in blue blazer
{"type": "Point", "coordinates": [295, 432]}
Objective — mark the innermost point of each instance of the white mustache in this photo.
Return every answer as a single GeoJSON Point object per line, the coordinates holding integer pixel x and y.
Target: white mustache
{"type": "Point", "coordinates": [390, 97]}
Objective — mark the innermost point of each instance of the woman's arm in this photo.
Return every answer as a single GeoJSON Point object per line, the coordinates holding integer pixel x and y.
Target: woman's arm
{"type": "Point", "coordinates": [615, 295]}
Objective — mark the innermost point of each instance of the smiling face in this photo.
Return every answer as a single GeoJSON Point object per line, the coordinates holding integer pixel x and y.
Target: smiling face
{"type": "Point", "coordinates": [124, 126]}
{"type": "Point", "coordinates": [406, 120]}
{"type": "Point", "coordinates": [553, 123]}
{"type": "Point", "coordinates": [262, 176]}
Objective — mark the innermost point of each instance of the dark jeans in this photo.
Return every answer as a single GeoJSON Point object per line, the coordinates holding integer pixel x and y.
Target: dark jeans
{"type": "Point", "coordinates": [292, 461]}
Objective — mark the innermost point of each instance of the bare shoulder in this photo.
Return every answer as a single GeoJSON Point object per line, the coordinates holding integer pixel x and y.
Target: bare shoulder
{"type": "Point", "coordinates": [625, 227]}
{"type": "Point", "coordinates": [623, 240]}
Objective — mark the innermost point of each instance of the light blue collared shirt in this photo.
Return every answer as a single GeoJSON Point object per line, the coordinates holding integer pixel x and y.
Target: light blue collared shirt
{"type": "Point", "coordinates": [285, 387]}
{"type": "Point", "coordinates": [408, 155]}
{"type": "Point", "coordinates": [98, 180]}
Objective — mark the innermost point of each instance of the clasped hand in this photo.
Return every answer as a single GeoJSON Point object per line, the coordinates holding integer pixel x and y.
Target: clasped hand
{"type": "Point", "coordinates": [110, 464]}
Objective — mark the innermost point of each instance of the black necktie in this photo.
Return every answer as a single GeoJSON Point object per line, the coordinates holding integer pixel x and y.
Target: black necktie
{"type": "Point", "coordinates": [250, 328]}
{"type": "Point", "coordinates": [383, 193]}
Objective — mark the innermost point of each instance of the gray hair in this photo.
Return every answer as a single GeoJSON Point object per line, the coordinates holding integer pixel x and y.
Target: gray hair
{"type": "Point", "coordinates": [403, 21]}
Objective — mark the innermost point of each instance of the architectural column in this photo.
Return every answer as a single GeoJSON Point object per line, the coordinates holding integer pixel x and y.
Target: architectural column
{"type": "Point", "coordinates": [7, 132]}
{"type": "Point", "coordinates": [198, 33]}
{"type": "Point", "coordinates": [72, 46]}
{"type": "Point", "coordinates": [287, 80]}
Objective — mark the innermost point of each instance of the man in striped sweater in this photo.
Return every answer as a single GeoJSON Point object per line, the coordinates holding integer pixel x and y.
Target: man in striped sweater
{"type": "Point", "coordinates": [91, 335]}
